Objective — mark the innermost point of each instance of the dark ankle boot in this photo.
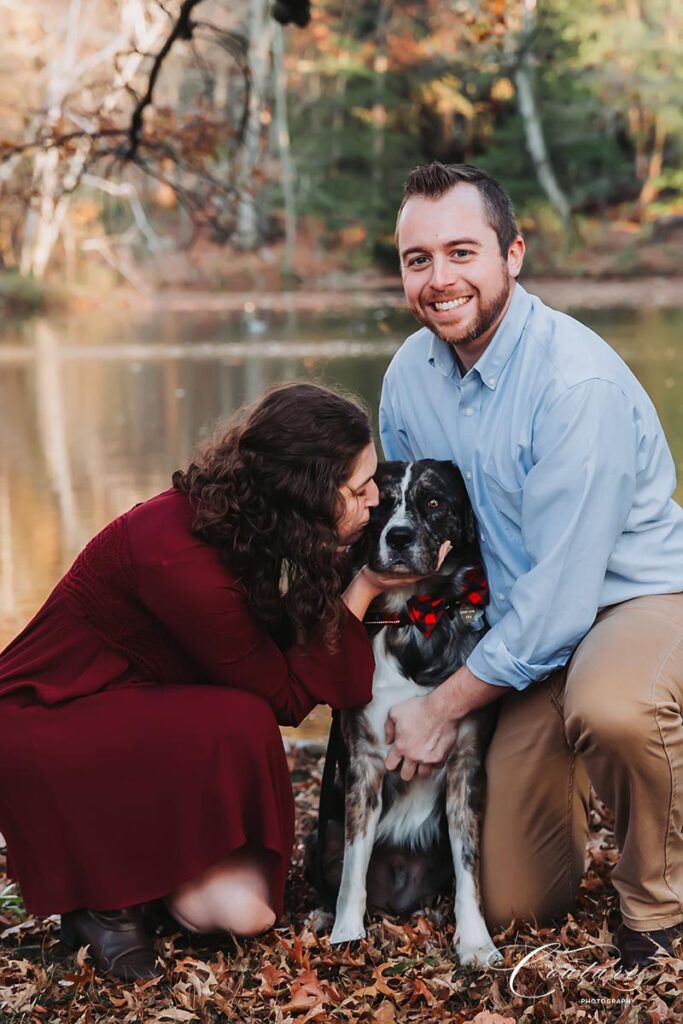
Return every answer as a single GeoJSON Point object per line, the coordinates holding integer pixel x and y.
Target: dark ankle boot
{"type": "Point", "coordinates": [118, 941]}
{"type": "Point", "coordinates": [639, 949]}
{"type": "Point", "coordinates": [159, 920]}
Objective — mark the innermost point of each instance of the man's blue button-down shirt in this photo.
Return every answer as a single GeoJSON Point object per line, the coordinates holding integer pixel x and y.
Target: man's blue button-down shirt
{"type": "Point", "coordinates": [567, 468]}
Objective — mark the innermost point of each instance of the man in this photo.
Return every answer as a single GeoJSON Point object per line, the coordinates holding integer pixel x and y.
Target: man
{"type": "Point", "coordinates": [571, 478]}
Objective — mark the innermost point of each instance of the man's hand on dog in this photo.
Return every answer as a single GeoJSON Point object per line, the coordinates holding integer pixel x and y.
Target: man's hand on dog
{"type": "Point", "coordinates": [421, 738]}
{"type": "Point", "coordinates": [423, 729]}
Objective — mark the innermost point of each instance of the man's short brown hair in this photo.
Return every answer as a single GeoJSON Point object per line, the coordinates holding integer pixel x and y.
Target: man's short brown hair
{"type": "Point", "coordinates": [434, 180]}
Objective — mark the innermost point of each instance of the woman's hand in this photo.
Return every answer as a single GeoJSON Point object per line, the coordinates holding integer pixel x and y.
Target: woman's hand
{"type": "Point", "coordinates": [367, 585]}
{"type": "Point", "coordinates": [394, 581]}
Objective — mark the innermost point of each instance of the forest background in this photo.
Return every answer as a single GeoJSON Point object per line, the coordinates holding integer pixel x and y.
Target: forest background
{"type": "Point", "coordinates": [198, 143]}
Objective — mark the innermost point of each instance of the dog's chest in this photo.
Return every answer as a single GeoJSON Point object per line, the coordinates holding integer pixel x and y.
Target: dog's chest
{"type": "Point", "coordinates": [389, 687]}
{"type": "Point", "coordinates": [410, 814]}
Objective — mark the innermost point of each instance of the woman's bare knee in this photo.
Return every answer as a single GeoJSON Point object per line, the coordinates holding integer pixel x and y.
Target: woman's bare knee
{"type": "Point", "coordinates": [191, 916]}
{"type": "Point", "coordinates": [233, 896]}
{"type": "Point", "coordinates": [239, 911]}
{"type": "Point", "coordinates": [248, 916]}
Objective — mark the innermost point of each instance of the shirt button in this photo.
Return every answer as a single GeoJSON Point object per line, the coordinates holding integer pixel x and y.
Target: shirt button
{"type": "Point", "coordinates": [468, 475]}
{"type": "Point", "coordinates": [501, 597]}
{"type": "Point", "coordinates": [491, 381]}
{"type": "Point", "coordinates": [469, 412]}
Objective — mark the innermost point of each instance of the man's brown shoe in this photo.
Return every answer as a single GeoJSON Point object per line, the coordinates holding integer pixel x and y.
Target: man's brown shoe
{"type": "Point", "coordinates": [118, 941]}
{"type": "Point", "coordinates": [640, 949]}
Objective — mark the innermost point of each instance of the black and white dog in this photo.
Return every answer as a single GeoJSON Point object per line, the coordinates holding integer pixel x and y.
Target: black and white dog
{"type": "Point", "coordinates": [422, 634]}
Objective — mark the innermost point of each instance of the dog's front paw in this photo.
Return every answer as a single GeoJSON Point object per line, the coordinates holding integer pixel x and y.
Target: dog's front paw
{"type": "Point", "coordinates": [320, 920]}
{"type": "Point", "coordinates": [346, 931]}
{"type": "Point", "coordinates": [477, 956]}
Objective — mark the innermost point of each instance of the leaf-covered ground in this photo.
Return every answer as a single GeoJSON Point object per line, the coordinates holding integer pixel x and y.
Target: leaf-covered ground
{"type": "Point", "coordinates": [403, 972]}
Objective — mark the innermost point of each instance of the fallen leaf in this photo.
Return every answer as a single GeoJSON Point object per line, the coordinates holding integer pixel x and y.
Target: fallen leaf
{"type": "Point", "coordinates": [173, 1013]}
{"type": "Point", "coordinates": [17, 997]}
{"type": "Point", "coordinates": [308, 992]}
{"type": "Point", "coordinates": [420, 989]}
{"type": "Point", "coordinates": [270, 976]}
{"type": "Point", "coordinates": [385, 1013]}
{"type": "Point", "coordinates": [486, 1017]}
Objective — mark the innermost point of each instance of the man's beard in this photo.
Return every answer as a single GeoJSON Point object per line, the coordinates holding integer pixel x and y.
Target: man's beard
{"type": "Point", "coordinates": [488, 315]}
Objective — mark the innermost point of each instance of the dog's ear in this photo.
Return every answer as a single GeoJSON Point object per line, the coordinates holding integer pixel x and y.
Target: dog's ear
{"type": "Point", "coordinates": [471, 535]}
{"type": "Point", "coordinates": [469, 520]}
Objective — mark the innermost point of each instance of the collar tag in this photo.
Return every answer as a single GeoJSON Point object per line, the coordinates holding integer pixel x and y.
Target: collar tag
{"type": "Point", "coordinates": [471, 616]}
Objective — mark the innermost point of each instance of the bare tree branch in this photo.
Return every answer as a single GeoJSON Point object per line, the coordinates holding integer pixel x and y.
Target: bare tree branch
{"type": "Point", "coordinates": [96, 125]}
{"type": "Point", "coordinates": [182, 29]}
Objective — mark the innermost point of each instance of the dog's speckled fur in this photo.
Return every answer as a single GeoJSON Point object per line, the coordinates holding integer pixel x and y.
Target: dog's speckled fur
{"type": "Point", "coordinates": [422, 504]}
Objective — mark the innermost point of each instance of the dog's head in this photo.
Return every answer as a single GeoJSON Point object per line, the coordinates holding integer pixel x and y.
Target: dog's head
{"type": "Point", "coordinates": [421, 505]}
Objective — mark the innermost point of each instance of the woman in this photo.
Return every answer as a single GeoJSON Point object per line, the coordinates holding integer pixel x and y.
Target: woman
{"type": "Point", "coordinates": [140, 754]}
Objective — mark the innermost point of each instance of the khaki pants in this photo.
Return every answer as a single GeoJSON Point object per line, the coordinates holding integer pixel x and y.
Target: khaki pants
{"type": "Point", "coordinates": [611, 718]}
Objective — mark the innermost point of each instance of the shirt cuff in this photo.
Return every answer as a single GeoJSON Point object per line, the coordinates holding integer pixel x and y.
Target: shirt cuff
{"type": "Point", "coordinates": [493, 663]}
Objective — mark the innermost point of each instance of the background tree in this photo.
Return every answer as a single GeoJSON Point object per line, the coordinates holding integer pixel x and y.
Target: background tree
{"type": "Point", "coordinates": [136, 126]}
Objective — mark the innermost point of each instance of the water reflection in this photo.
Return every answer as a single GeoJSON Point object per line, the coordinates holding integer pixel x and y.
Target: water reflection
{"type": "Point", "coordinates": [96, 415]}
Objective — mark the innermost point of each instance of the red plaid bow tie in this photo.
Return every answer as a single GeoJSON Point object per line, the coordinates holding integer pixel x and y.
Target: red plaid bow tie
{"type": "Point", "coordinates": [425, 611]}
{"type": "Point", "coordinates": [476, 587]}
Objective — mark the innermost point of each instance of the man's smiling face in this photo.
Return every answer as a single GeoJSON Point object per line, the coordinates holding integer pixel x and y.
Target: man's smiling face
{"type": "Point", "coordinates": [456, 281]}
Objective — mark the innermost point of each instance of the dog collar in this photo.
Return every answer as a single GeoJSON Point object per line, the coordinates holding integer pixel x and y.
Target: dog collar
{"type": "Point", "coordinates": [426, 611]}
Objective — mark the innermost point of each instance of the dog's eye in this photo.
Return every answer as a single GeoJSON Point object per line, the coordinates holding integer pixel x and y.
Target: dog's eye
{"type": "Point", "coordinates": [433, 503]}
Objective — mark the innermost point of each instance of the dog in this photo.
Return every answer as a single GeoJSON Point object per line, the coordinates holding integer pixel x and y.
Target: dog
{"type": "Point", "coordinates": [422, 634]}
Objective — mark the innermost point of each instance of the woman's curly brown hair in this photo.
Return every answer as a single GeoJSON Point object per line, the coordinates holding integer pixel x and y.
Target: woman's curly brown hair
{"type": "Point", "coordinates": [266, 489]}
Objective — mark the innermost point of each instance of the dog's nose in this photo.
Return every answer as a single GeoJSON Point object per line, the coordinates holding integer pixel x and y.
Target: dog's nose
{"type": "Point", "coordinates": [399, 537]}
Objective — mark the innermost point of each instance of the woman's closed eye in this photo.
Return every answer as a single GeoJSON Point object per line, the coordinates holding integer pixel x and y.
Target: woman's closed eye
{"type": "Point", "coordinates": [362, 492]}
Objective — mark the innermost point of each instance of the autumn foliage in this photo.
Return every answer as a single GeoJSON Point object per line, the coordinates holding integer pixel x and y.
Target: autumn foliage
{"type": "Point", "coordinates": [404, 972]}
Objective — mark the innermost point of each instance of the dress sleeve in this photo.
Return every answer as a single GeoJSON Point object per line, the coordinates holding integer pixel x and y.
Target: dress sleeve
{"type": "Point", "coordinates": [206, 610]}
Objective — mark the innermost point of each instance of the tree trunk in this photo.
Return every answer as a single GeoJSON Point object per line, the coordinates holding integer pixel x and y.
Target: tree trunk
{"type": "Point", "coordinates": [654, 166]}
{"type": "Point", "coordinates": [379, 110]}
{"type": "Point", "coordinates": [341, 78]}
{"type": "Point", "coordinates": [282, 132]}
{"type": "Point", "coordinates": [533, 128]}
{"type": "Point", "coordinates": [52, 185]}
{"type": "Point", "coordinates": [260, 34]}
{"type": "Point", "coordinates": [44, 219]}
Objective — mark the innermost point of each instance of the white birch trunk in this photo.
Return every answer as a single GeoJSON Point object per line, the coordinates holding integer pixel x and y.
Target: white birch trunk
{"type": "Point", "coordinates": [533, 128]}
{"type": "Point", "coordinates": [283, 143]}
{"type": "Point", "coordinates": [260, 35]}
{"type": "Point", "coordinates": [43, 220]}
{"type": "Point", "coordinates": [52, 185]}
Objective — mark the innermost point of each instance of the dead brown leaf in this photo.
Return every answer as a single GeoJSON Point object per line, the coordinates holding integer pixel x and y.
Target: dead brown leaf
{"type": "Point", "coordinates": [485, 1017]}
{"type": "Point", "coordinates": [403, 973]}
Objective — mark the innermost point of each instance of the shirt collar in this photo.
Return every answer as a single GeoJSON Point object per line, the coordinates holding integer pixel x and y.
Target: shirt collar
{"type": "Point", "coordinates": [497, 353]}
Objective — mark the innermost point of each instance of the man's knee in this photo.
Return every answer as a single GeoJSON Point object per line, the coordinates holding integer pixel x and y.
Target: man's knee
{"type": "Point", "coordinates": [629, 661]}
{"type": "Point", "coordinates": [596, 716]}
{"type": "Point", "coordinates": [533, 871]}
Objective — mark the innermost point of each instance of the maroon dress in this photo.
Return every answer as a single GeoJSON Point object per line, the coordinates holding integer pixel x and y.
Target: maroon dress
{"type": "Point", "coordinates": [138, 720]}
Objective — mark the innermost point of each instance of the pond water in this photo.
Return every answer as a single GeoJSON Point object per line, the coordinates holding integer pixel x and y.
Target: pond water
{"type": "Point", "coordinates": [96, 413]}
